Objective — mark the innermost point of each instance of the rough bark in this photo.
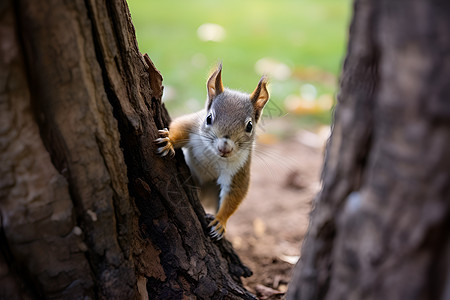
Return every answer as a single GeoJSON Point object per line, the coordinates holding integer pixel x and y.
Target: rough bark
{"type": "Point", "coordinates": [87, 207]}
{"type": "Point", "coordinates": [380, 226]}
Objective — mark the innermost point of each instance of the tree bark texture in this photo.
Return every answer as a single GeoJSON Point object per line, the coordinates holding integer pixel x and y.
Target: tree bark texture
{"type": "Point", "coordinates": [87, 207]}
{"type": "Point", "coordinates": [380, 225]}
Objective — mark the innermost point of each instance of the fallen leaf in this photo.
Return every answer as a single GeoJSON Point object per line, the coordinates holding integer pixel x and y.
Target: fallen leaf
{"type": "Point", "coordinates": [265, 292]}
{"type": "Point", "coordinates": [291, 259]}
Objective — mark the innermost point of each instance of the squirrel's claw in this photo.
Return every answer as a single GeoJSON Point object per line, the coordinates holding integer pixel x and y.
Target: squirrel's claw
{"type": "Point", "coordinates": [164, 150]}
{"type": "Point", "coordinates": [217, 229]}
{"type": "Point", "coordinates": [162, 140]}
{"type": "Point", "coordinates": [164, 132]}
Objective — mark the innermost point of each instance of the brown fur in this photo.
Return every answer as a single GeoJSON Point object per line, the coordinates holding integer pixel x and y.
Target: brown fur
{"type": "Point", "coordinates": [238, 191]}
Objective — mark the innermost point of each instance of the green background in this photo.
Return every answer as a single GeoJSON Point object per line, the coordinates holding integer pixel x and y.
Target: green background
{"type": "Point", "coordinates": [306, 36]}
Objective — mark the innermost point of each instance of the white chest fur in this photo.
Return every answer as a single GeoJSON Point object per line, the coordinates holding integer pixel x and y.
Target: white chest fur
{"type": "Point", "coordinates": [206, 165]}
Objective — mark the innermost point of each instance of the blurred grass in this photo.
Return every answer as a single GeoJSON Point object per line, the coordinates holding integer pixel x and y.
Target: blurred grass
{"type": "Point", "coordinates": [309, 36]}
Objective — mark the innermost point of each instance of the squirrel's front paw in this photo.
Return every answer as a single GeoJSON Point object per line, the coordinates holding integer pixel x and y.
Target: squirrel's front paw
{"type": "Point", "coordinates": [217, 229]}
{"type": "Point", "coordinates": [164, 150]}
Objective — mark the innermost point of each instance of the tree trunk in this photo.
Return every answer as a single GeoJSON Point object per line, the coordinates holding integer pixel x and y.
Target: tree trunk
{"type": "Point", "coordinates": [380, 226]}
{"type": "Point", "coordinates": [87, 207]}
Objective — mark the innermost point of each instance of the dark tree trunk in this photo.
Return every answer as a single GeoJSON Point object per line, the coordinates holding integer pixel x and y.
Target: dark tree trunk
{"type": "Point", "coordinates": [87, 208]}
{"type": "Point", "coordinates": [380, 226]}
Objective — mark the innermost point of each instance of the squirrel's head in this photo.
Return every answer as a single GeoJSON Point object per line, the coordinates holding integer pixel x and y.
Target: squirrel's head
{"type": "Point", "coordinates": [231, 116]}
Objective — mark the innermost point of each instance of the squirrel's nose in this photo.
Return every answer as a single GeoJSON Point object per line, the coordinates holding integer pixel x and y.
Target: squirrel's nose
{"type": "Point", "coordinates": [225, 150]}
{"type": "Point", "coordinates": [225, 146]}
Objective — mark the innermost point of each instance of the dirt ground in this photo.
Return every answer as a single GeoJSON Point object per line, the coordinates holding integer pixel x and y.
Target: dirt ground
{"type": "Point", "coordinates": [269, 226]}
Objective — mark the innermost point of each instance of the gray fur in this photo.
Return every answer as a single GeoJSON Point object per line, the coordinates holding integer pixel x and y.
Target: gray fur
{"type": "Point", "coordinates": [231, 112]}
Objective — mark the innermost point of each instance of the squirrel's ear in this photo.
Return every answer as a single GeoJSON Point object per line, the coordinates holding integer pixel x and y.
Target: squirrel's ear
{"type": "Point", "coordinates": [259, 97]}
{"type": "Point", "coordinates": [214, 86]}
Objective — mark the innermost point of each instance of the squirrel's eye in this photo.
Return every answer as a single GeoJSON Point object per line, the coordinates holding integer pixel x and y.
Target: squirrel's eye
{"type": "Point", "coordinates": [249, 127]}
{"type": "Point", "coordinates": [209, 119]}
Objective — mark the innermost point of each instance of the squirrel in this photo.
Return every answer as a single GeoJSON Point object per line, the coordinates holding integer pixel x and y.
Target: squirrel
{"type": "Point", "coordinates": [217, 143]}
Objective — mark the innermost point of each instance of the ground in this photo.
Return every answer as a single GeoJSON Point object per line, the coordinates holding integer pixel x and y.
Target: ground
{"type": "Point", "coordinates": [269, 226]}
